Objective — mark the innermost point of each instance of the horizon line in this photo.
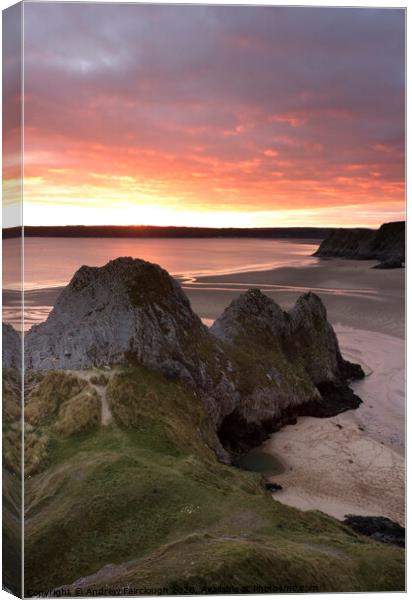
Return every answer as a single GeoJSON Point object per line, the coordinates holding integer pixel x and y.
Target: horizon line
{"type": "Point", "coordinates": [200, 227]}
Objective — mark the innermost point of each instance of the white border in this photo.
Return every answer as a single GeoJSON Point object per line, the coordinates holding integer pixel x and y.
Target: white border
{"type": "Point", "coordinates": [319, 3]}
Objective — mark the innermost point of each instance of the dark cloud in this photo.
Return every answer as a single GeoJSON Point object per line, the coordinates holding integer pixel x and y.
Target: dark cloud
{"type": "Point", "coordinates": [312, 93]}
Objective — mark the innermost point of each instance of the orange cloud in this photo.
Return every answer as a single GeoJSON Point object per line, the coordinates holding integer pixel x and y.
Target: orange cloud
{"type": "Point", "coordinates": [267, 115]}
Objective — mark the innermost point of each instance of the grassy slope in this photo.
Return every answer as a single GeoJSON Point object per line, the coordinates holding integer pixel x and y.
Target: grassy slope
{"type": "Point", "coordinates": [147, 491]}
{"type": "Point", "coordinates": [12, 485]}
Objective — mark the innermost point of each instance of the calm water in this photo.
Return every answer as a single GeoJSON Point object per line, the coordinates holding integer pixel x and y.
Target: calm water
{"type": "Point", "coordinates": [261, 462]}
{"type": "Point", "coordinates": [51, 262]}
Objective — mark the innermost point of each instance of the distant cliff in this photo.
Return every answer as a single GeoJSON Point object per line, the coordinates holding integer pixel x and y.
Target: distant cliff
{"type": "Point", "coordinates": [257, 368]}
{"type": "Point", "coordinates": [153, 231]}
{"type": "Point", "coordinates": [386, 245]}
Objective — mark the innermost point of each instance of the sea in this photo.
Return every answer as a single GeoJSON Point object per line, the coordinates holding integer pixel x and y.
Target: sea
{"type": "Point", "coordinates": [50, 263]}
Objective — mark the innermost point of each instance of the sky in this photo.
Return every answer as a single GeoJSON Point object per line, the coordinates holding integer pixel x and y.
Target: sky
{"type": "Point", "coordinates": [213, 116]}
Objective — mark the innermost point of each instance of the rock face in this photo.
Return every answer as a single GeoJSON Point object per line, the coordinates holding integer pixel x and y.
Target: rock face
{"type": "Point", "coordinates": [387, 244]}
{"type": "Point", "coordinates": [130, 311]}
{"type": "Point", "coordinates": [257, 368]}
{"type": "Point", "coordinates": [380, 529]}
{"type": "Point", "coordinates": [389, 264]}
{"type": "Point", "coordinates": [126, 308]}
{"type": "Point", "coordinates": [285, 365]}
{"type": "Point", "coordinates": [12, 348]}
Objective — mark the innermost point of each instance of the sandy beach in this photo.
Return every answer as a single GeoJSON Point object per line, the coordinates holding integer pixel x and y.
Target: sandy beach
{"type": "Point", "coordinates": [332, 466]}
{"type": "Point", "coordinates": [352, 463]}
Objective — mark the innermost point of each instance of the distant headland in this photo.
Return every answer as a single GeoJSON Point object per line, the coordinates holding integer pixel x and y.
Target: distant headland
{"type": "Point", "coordinates": [387, 244]}
{"type": "Point", "coordinates": [148, 231]}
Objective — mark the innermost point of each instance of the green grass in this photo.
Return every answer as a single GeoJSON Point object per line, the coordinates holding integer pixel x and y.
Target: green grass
{"type": "Point", "coordinates": [11, 396]}
{"type": "Point", "coordinates": [59, 405]}
{"type": "Point", "coordinates": [47, 396]}
{"type": "Point", "coordinates": [12, 484]}
{"type": "Point", "coordinates": [36, 446]}
{"type": "Point", "coordinates": [166, 414]}
{"type": "Point", "coordinates": [254, 360]}
{"type": "Point", "coordinates": [147, 490]}
{"type": "Point", "coordinates": [100, 379]}
{"type": "Point", "coordinates": [204, 563]}
{"type": "Point", "coordinates": [150, 286]}
{"type": "Point", "coordinates": [80, 413]}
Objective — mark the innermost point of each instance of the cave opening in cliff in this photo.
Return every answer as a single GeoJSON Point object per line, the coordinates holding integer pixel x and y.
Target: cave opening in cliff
{"type": "Point", "coordinates": [237, 435]}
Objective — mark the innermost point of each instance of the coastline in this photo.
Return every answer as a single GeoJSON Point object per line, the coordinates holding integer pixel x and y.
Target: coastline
{"type": "Point", "coordinates": [334, 467]}
{"type": "Point", "coordinates": [355, 294]}
{"type": "Point", "coordinates": [352, 463]}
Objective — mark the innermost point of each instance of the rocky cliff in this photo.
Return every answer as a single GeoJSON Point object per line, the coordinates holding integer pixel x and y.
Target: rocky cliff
{"type": "Point", "coordinates": [131, 311]}
{"type": "Point", "coordinates": [148, 491]}
{"type": "Point", "coordinates": [12, 348]}
{"type": "Point", "coordinates": [257, 368]}
{"type": "Point", "coordinates": [387, 244]}
{"type": "Point", "coordinates": [285, 364]}
{"type": "Point", "coordinates": [128, 308]}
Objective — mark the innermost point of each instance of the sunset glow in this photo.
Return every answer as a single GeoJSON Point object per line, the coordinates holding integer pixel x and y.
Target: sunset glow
{"type": "Point", "coordinates": [213, 116]}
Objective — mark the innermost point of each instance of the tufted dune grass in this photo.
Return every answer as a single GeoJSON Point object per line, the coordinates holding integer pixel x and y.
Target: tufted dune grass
{"type": "Point", "coordinates": [147, 496]}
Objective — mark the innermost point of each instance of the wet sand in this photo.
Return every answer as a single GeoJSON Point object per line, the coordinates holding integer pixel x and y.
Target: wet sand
{"type": "Point", "coordinates": [355, 295]}
{"type": "Point", "coordinates": [332, 466]}
{"type": "Point", "coordinates": [352, 463]}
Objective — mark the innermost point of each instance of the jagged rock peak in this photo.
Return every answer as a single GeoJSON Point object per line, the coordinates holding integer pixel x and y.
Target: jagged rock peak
{"type": "Point", "coordinates": [285, 365]}
{"type": "Point", "coordinates": [312, 302]}
{"type": "Point", "coordinates": [303, 333]}
{"type": "Point", "coordinates": [250, 313]}
{"type": "Point", "coordinates": [140, 278]}
{"type": "Point", "coordinates": [313, 338]}
{"type": "Point", "coordinates": [267, 367]}
{"type": "Point", "coordinates": [308, 306]}
{"type": "Point", "coordinates": [254, 313]}
{"type": "Point", "coordinates": [129, 307]}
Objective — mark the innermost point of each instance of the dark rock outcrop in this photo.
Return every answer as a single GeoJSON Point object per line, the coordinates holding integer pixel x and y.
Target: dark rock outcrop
{"type": "Point", "coordinates": [255, 370]}
{"type": "Point", "coordinates": [380, 529]}
{"type": "Point", "coordinates": [347, 243]}
{"type": "Point", "coordinates": [389, 264]}
{"type": "Point", "coordinates": [273, 487]}
{"type": "Point", "coordinates": [387, 244]}
{"type": "Point", "coordinates": [285, 365]}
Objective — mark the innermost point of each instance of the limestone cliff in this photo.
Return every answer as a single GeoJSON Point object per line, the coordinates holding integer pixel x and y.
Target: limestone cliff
{"type": "Point", "coordinates": [257, 368]}
{"type": "Point", "coordinates": [387, 244]}
{"type": "Point", "coordinates": [128, 309]}
{"type": "Point", "coordinates": [12, 348]}
{"type": "Point", "coordinates": [285, 365]}
{"type": "Point", "coordinates": [131, 311]}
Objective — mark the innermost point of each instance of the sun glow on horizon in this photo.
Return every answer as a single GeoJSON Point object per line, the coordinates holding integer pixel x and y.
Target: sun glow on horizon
{"type": "Point", "coordinates": [149, 215]}
{"type": "Point", "coordinates": [144, 132]}
{"type": "Point", "coordinates": [58, 196]}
